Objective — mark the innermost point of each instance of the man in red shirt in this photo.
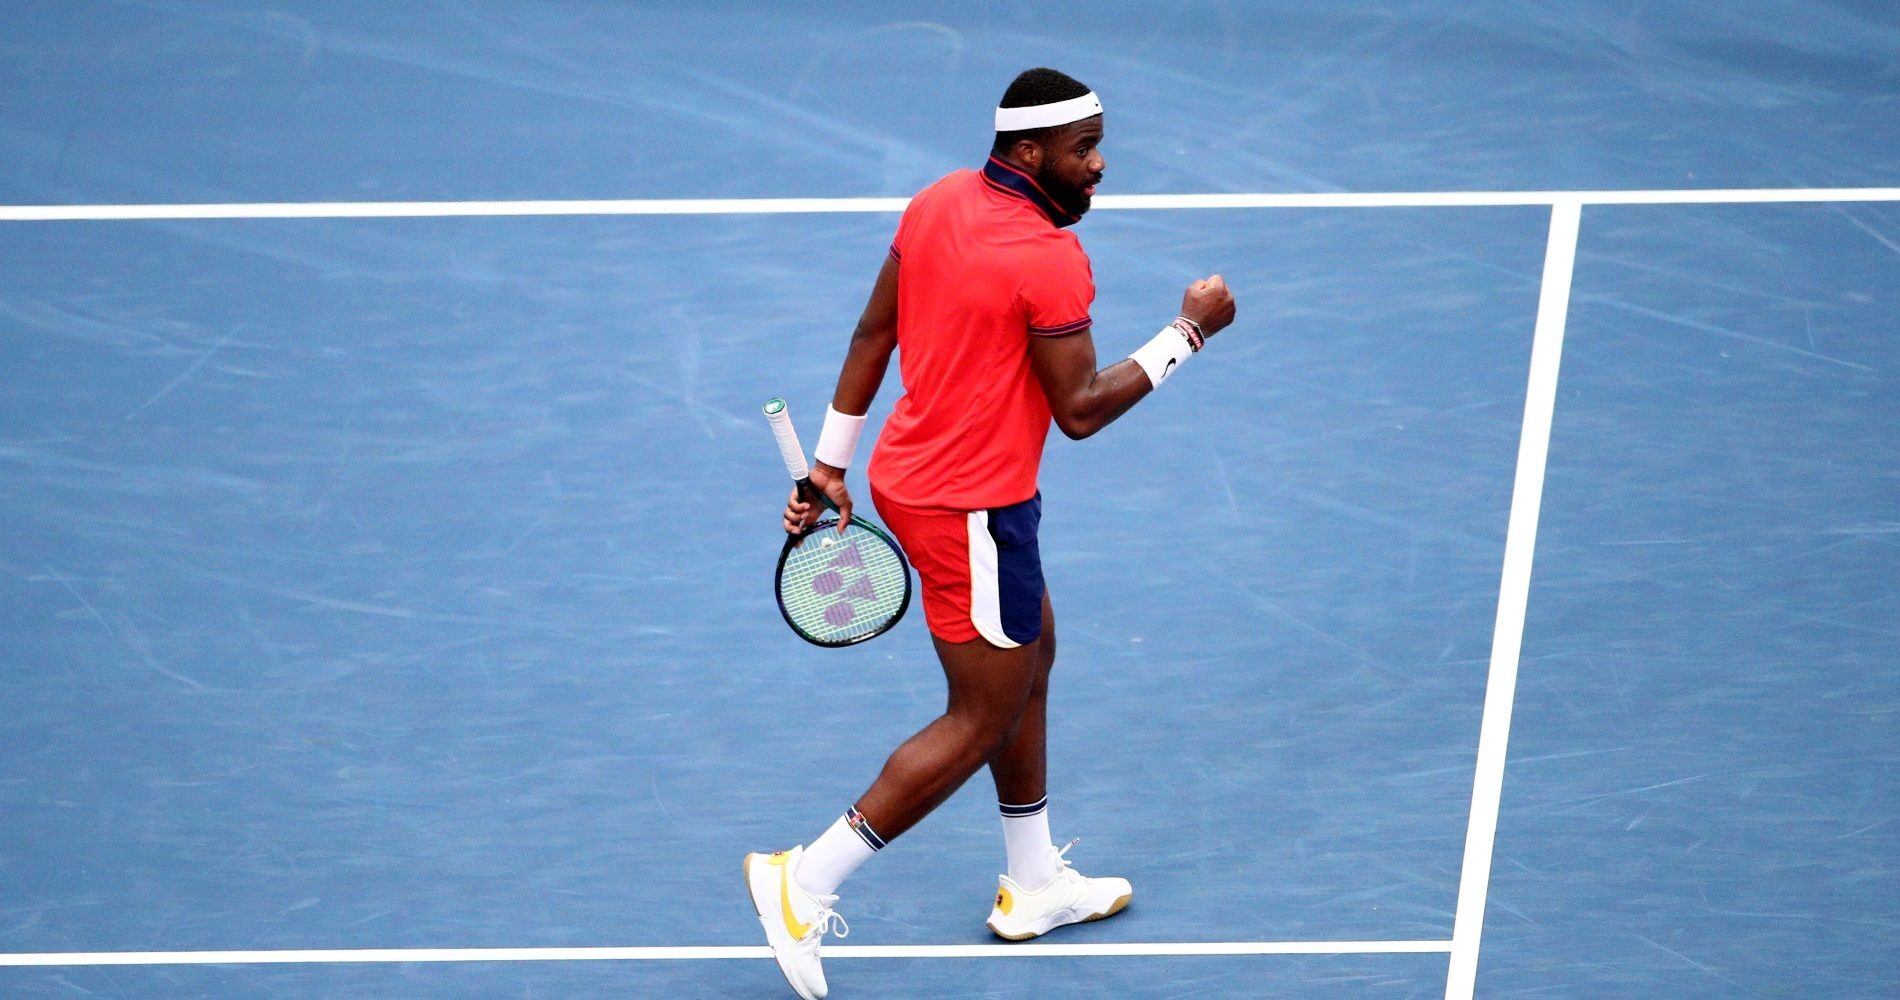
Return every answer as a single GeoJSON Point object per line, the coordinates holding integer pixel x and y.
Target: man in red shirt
{"type": "Point", "coordinates": [987, 294]}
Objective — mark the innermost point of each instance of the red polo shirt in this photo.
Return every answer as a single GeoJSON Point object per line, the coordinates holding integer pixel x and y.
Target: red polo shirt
{"type": "Point", "coordinates": [983, 265]}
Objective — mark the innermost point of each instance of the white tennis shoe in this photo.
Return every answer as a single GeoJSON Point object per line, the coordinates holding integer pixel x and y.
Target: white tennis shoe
{"type": "Point", "coordinates": [1069, 898]}
{"type": "Point", "coordinates": [795, 921]}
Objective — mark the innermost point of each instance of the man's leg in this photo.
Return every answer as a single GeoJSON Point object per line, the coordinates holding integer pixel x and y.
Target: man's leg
{"type": "Point", "coordinates": [1040, 892]}
{"type": "Point", "coordinates": [990, 688]}
{"type": "Point", "coordinates": [1021, 767]}
{"type": "Point", "coordinates": [1020, 770]}
{"type": "Point", "coordinates": [793, 890]}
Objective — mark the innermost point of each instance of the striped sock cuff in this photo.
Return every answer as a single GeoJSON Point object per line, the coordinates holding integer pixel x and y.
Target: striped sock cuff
{"type": "Point", "coordinates": [862, 828]}
{"type": "Point", "coordinates": [1018, 812]}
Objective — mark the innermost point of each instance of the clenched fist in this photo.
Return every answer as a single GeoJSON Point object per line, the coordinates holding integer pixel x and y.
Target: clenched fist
{"type": "Point", "coordinates": [1209, 303]}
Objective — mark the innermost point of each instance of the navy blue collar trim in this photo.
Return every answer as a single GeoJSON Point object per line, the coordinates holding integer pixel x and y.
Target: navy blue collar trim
{"type": "Point", "coordinates": [1011, 181]}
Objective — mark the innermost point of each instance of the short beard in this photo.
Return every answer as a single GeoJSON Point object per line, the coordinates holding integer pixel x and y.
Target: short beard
{"type": "Point", "coordinates": [1069, 199]}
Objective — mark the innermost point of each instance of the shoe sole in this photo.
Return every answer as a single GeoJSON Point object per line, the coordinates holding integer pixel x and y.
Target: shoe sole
{"type": "Point", "coordinates": [766, 922]}
{"type": "Point", "coordinates": [1113, 908]}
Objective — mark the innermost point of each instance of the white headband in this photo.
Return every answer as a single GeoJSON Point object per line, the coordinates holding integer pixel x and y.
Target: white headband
{"type": "Point", "coordinates": [1048, 115]}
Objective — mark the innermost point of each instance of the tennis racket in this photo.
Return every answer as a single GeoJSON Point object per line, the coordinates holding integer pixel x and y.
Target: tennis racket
{"type": "Point", "coordinates": [835, 588]}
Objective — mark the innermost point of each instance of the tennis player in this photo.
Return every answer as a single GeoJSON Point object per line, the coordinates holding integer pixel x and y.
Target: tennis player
{"type": "Point", "coordinates": [987, 293]}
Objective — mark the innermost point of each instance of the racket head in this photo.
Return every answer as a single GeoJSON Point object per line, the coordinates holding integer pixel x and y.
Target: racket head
{"type": "Point", "coordinates": [838, 589]}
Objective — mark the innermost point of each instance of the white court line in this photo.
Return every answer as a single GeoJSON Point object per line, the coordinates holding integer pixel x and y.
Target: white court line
{"type": "Point", "coordinates": [794, 206]}
{"type": "Point", "coordinates": [1520, 542]}
{"type": "Point", "coordinates": [387, 955]}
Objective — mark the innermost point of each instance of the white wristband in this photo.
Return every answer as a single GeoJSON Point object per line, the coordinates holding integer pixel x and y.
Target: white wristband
{"type": "Point", "coordinates": [839, 440]}
{"type": "Point", "coordinates": [1162, 355]}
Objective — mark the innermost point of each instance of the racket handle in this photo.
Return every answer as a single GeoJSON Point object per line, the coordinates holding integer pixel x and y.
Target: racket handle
{"type": "Point", "coordinates": [788, 447]}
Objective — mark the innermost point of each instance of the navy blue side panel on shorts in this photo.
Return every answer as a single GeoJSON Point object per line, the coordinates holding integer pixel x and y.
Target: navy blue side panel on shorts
{"type": "Point", "coordinates": [1019, 568]}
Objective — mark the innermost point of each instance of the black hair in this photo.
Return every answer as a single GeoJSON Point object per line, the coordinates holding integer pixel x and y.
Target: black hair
{"type": "Point", "coordinates": [1033, 87]}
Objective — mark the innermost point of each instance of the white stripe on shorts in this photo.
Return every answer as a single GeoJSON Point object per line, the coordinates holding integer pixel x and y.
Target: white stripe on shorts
{"type": "Point", "coordinates": [986, 595]}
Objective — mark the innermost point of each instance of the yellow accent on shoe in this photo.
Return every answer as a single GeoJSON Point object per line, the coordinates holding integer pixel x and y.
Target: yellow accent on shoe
{"type": "Point", "coordinates": [1003, 901]}
{"type": "Point", "coordinates": [795, 946]}
{"type": "Point", "coordinates": [796, 929]}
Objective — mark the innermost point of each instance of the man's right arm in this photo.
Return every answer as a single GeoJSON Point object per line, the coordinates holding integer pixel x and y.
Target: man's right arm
{"type": "Point", "coordinates": [865, 362]}
{"type": "Point", "coordinates": [871, 346]}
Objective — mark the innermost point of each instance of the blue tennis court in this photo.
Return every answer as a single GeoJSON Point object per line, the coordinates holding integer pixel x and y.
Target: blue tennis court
{"type": "Point", "coordinates": [1504, 606]}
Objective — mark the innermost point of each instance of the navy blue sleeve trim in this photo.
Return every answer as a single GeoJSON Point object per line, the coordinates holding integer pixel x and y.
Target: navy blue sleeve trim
{"type": "Point", "coordinates": [1066, 328]}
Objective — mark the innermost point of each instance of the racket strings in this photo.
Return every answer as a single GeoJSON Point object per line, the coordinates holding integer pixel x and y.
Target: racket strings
{"type": "Point", "coordinates": [838, 586]}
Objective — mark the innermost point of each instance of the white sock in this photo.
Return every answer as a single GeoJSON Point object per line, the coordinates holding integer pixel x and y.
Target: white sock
{"type": "Point", "coordinates": [1032, 854]}
{"type": "Point", "coordinates": [836, 854]}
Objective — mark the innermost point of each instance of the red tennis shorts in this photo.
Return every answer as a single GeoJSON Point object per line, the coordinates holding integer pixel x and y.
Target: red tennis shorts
{"type": "Point", "coordinates": [981, 570]}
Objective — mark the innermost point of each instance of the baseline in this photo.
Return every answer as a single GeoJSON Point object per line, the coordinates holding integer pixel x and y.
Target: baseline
{"type": "Point", "coordinates": [608, 954]}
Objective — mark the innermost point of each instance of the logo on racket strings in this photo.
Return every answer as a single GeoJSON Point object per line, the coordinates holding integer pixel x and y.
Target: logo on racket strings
{"type": "Point", "coordinates": [831, 581]}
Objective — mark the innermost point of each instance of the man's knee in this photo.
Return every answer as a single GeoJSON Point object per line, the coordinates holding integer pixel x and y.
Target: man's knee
{"type": "Point", "coordinates": [980, 732]}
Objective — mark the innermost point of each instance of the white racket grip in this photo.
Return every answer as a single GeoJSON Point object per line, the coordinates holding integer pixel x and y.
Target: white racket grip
{"type": "Point", "coordinates": [788, 447]}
